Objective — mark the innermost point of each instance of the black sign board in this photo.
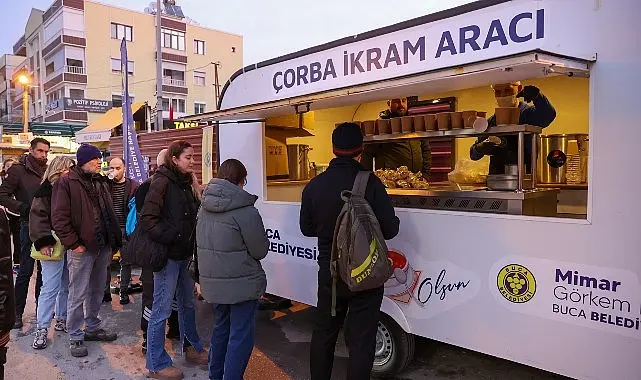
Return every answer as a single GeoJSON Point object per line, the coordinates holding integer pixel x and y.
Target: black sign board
{"type": "Point", "coordinates": [89, 105]}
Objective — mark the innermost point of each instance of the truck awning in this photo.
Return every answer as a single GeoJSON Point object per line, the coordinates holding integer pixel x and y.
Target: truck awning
{"type": "Point", "coordinates": [523, 66]}
{"type": "Point", "coordinates": [100, 130]}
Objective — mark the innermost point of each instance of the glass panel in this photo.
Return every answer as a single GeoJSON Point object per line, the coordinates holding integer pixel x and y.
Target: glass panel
{"type": "Point", "coordinates": [129, 33]}
{"type": "Point", "coordinates": [114, 32]}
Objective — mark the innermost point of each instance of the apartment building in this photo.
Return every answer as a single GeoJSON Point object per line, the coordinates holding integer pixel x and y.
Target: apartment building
{"type": "Point", "coordinates": [9, 64]}
{"type": "Point", "coordinates": [72, 51]}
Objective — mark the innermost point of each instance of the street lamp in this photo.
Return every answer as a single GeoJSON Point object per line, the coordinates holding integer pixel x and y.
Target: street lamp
{"type": "Point", "coordinates": [24, 79]}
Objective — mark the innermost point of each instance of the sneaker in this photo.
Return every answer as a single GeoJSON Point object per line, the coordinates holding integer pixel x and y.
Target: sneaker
{"type": "Point", "coordinates": [40, 340]}
{"type": "Point", "coordinates": [18, 323]}
{"type": "Point", "coordinates": [77, 348]}
{"type": "Point", "coordinates": [106, 298]}
{"type": "Point", "coordinates": [195, 357]}
{"type": "Point", "coordinates": [124, 298]}
{"type": "Point", "coordinates": [60, 325]}
{"type": "Point", "coordinates": [100, 335]}
{"type": "Point", "coordinates": [169, 373]}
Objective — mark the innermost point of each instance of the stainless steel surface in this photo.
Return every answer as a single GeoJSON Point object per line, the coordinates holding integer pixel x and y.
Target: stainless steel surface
{"type": "Point", "coordinates": [498, 130]}
{"type": "Point", "coordinates": [534, 157]}
{"type": "Point", "coordinates": [298, 161]}
{"type": "Point", "coordinates": [583, 142]}
{"type": "Point", "coordinates": [520, 161]}
{"type": "Point", "coordinates": [508, 182]}
{"type": "Point", "coordinates": [539, 202]}
{"type": "Point", "coordinates": [550, 143]}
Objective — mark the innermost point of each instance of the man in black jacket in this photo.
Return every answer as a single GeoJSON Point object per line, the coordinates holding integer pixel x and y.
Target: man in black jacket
{"type": "Point", "coordinates": [504, 150]}
{"type": "Point", "coordinates": [16, 193]}
{"type": "Point", "coordinates": [7, 306]}
{"type": "Point", "coordinates": [321, 205]}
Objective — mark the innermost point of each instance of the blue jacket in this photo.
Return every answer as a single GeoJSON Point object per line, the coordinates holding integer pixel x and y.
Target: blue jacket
{"type": "Point", "coordinates": [541, 114]}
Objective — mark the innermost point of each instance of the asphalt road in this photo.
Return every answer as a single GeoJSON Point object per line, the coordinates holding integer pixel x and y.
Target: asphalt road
{"type": "Point", "coordinates": [281, 352]}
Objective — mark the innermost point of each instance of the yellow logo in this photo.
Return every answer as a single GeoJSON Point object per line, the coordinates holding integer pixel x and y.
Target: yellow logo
{"type": "Point", "coordinates": [516, 283]}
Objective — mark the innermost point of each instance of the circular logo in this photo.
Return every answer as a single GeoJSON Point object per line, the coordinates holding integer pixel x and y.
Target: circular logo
{"type": "Point", "coordinates": [516, 283]}
{"type": "Point", "coordinates": [556, 158]}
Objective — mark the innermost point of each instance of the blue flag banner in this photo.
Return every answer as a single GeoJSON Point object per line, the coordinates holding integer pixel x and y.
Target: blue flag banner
{"type": "Point", "coordinates": [134, 162]}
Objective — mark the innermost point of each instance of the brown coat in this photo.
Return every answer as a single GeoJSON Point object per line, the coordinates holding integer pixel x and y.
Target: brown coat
{"type": "Point", "coordinates": [75, 214]}
{"type": "Point", "coordinates": [40, 218]}
{"type": "Point", "coordinates": [22, 181]}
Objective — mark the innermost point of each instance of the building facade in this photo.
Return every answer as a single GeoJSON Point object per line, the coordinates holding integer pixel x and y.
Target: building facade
{"type": "Point", "coordinates": [72, 51]}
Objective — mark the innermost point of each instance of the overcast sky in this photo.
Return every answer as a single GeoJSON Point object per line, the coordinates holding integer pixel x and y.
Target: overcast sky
{"type": "Point", "coordinates": [270, 28]}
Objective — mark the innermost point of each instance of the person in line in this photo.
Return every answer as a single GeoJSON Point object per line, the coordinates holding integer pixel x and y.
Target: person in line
{"type": "Point", "coordinates": [416, 154]}
{"type": "Point", "coordinates": [14, 219]}
{"type": "Point", "coordinates": [83, 219]}
{"type": "Point", "coordinates": [231, 242]}
{"type": "Point", "coordinates": [147, 275]}
{"type": "Point", "coordinates": [504, 150]}
{"type": "Point", "coordinates": [7, 301]}
{"type": "Point", "coordinates": [169, 216]}
{"type": "Point", "coordinates": [122, 190]}
{"type": "Point", "coordinates": [55, 276]}
{"type": "Point", "coordinates": [320, 207]}
{"type": "Point", "coordinates": [16, 192]}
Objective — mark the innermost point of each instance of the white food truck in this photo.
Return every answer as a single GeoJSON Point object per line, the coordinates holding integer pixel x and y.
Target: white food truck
{"type": "Point", "coordinates": [491, 271]}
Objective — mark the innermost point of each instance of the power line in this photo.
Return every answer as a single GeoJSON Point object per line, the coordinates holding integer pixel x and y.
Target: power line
{"type": "Point", "coordinates": [146, 80]}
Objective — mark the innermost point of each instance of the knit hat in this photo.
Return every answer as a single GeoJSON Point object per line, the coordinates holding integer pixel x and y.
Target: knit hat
{"type": "Point", "coordinates": [87, 153]}
{"type": "Point", "coordinates": [347, 140]}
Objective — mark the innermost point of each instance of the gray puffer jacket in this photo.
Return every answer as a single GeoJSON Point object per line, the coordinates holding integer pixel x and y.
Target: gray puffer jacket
{"type": "Point", "coordinates": [231, 240]}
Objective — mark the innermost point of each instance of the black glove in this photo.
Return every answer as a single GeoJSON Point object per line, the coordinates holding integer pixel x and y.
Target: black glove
{"type": "Point", "coordinates": [529, 93]}
{"type": "Point", "coordinates": [485, 148]}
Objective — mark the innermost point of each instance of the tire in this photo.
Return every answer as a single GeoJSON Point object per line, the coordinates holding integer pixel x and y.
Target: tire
{"type": "Point", "coordinates": [394, 348]}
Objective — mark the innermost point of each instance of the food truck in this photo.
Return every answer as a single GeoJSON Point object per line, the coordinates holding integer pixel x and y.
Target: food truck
{"type": "Point", "coordinates": [499, 270]}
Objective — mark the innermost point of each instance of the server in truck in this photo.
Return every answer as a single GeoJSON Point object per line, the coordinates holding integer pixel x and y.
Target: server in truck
{"type": "Point", "coordinates": [320, 208]}
{"type": "Point", "coordinates": [504, 150]}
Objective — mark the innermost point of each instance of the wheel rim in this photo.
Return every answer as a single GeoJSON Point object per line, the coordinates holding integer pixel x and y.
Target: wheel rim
{"type": "Point", "coordinates": [384, 345]}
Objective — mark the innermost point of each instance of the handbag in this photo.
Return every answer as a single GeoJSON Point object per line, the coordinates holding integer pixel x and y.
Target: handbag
{"type": "Point", "coordinates": [192, 266]}
{"type": "Point", "coordinates": [144, 251]}
{"type": "Point", "coordinates": [57, 254]}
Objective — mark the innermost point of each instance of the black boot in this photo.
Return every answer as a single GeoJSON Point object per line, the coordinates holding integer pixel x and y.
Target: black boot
{"type": "Point", "coordinates": [124, 298]}
{"type": "Point", "coordinates": [18, 323]}
{"type": "Point", "coordinates": [106, 298]}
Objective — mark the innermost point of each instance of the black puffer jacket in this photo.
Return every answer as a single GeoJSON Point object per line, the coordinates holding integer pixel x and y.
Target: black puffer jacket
{"type": "Point", "coordinates": [7, 301]}
{"type": "Point", "coordinates": [22, 182]}
{"type": "Point", "coordinates": [169, 212]}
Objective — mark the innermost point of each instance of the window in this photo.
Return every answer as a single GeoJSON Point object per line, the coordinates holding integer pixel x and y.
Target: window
{"type": "Point", "coordinates": [50, 69]}
{"type": "Point", "coordinates": [74, 62]}
{"type": "Point", "coordinates": [165, 104]}
{"type": "Point", "coordinates": [116, 100]}
{"type": "Point", "coordinates": [199, 108]}
{"type": "Point", "coordinates": [75, 93]}
{"type": "Point", "coordinates": [173, 39]}
{"type": "Point", "coordinates": [178, 105]}
{"type": "Point", "coordinates": [199, 78]}
{"type": "Point", "coordinates": [199, 47]}
{"type": "Point", "coordinates": [118, 32]}
{"type": "Point", "coordinates": [115, 66]}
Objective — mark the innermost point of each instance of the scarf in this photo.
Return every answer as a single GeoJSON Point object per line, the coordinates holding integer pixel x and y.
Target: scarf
{"type": "Point", "coordinates": [100, 196]}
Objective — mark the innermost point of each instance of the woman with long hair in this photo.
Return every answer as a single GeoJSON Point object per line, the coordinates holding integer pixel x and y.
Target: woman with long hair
{"type": "Point", "coordinates": [231, 242]}
{"type": "Point", "coordinates": [169, 216]}
{"type": "Point", "coordinates": [55, 276]}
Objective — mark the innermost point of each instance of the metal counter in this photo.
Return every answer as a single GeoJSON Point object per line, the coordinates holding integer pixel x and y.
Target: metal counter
{"type": "Point", "coordinates": [538, 202]}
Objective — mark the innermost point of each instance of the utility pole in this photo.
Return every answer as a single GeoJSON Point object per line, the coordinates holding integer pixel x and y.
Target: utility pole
{"type": "Point", "coordinates": [159, 123]}
{"type": "Point", "coordinates": [216, 83]}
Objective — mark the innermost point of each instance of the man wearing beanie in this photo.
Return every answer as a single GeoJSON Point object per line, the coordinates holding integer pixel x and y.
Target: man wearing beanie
{"type": "Point", "coordinates": [84, 193]}
{"type": "Point", "coordinates": [321, 205]}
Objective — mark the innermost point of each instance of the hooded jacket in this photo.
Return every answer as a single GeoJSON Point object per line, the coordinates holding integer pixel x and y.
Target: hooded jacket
{"type": "Point", "coordinates": [231, 241]}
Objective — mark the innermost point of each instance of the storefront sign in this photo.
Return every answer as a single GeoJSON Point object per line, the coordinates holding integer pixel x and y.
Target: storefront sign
{"type": "Point", "coordinates": [88, 137]}
{"type": "Point", "coordinates": [54, 106]}
{"type": "Point", "coordinates": [179, 124]}
{"type": "Point", "coordinates": [89, 105]}
{"type": "Point", "coordinates": [606, 299]}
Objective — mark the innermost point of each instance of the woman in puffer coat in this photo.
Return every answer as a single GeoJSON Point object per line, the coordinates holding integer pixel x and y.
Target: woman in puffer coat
{"type": "Point", "coordinates": [55, 276]}
{"type": "Point", "coordinates": [231, 242]}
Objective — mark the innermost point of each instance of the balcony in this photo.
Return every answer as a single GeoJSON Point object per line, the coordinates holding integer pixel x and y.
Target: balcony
{"type": "Point", "coordinates": [75, 70]}
{"type": "Point", "coordinates": [75, 74]}
{"type": "Point", "coordinates": [173, 82]}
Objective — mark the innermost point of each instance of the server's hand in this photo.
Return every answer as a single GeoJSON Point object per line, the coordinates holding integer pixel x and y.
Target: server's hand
{"type": "Point", "coordinates": [529, 93]}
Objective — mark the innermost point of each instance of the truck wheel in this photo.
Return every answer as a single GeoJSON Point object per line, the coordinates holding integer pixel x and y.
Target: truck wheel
{"type": "Point", "coordinates": [394, 348]}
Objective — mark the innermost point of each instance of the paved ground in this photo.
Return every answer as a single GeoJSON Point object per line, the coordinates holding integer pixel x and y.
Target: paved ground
{"type": "Point", "coordinates": [282, 350]}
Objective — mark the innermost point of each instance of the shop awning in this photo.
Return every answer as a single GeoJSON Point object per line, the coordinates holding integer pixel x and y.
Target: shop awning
{"type": "Point", "coordinates": [100, 130]}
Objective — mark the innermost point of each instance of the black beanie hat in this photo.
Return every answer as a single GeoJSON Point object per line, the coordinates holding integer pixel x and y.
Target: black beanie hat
{"type": "Point", "coordinates": [86, 153]}
{"type": "Point", "coordinates": [347, 140]}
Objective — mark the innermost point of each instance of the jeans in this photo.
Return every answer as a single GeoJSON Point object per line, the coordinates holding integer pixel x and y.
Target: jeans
{"type": "Point", "coordinates": [54, 292]}
{"type": "Point", "coordinates": [125, 270]}
{"type": "Point", "coordinates": [14, 227]}
{"type": "Point", "coordinates": [86, 284]}
{"type": "Point", "coordinates": [172, 279]}
{"type": "Point", "coordinates": [232, 340]}
{"type": "Point", "coordinates": [362, 312]}
{"type": "Point", "coordinates": [26, 271]}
